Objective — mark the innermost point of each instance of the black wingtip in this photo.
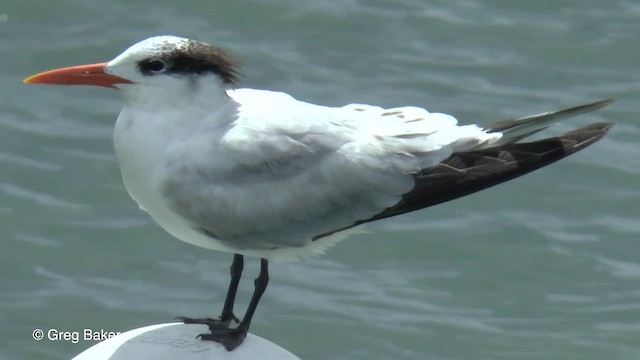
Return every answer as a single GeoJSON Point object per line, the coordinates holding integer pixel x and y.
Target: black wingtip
{"type": "Point", "coordinates": [603, 127]}
{"type": "Point", "coordinates": [587, 135]}
{"type": "Point", "coordinates": [468, 172]}
{"type": "Point", "coordinates": [547, 117]}
{"type": "Point", "coordinates": [595, 105]}
{"type": "Point", "coordinates": [606, 102]}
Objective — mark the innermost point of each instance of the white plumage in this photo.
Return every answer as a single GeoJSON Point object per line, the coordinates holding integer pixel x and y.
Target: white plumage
{"type": "Point", "coordinates": [262, 172]}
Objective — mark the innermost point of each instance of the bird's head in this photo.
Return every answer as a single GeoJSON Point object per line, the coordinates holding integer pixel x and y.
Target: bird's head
{"type": "Point", "coordinates": [157, 62]}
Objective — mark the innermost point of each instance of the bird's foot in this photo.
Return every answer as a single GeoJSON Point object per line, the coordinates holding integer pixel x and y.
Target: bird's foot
{"type": "Point", "coordinates": [229, 338]}
{"type": "Point", "coordinates": [220, 323]}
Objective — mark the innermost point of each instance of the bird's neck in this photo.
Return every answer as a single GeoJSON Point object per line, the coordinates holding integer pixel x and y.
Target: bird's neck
{"type": "Point", "coordinates": [191, 101]}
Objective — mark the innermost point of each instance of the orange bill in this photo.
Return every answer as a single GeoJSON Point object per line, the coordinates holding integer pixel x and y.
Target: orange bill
{"type": "Point", "coordinates": [93, 74]}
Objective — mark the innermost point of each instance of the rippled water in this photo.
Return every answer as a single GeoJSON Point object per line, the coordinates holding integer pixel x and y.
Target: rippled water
{"type": "Point", "coordinates": [544, 267]}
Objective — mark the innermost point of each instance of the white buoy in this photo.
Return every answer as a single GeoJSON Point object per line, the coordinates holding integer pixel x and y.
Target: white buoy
{"type": "Point", "coordinates": [177, 341]}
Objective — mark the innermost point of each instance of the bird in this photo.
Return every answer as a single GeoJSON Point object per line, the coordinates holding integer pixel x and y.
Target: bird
{"type": "Point", "coordinates": [259, 173]}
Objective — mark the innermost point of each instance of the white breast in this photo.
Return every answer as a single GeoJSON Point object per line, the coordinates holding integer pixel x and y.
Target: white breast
{"type": "Point", "coordinates": [265, 173]}
{"type": "Point", "coordinates": [140, 145]}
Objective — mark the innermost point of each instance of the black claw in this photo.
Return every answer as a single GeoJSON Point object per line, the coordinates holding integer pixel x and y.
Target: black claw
{"type": "Point", "coordinates": [188, 320]}
{"type": "Point", "coordinates": [213, 324]}
{"type": "Point", "coordinates": [228, 319]}
{"type": "Point", "coordinates": [220, 331]}
{"type": "Point", "coordinates": [204, 337]}
{"type": "Point", "coordinates": [229, 338]}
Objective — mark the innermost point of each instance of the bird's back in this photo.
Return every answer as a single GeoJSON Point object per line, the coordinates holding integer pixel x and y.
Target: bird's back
{"type": "Point", "coordinates": [285, 171]}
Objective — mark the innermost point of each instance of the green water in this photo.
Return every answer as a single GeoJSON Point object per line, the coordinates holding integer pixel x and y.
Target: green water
{"type": "Point", "coordinates": [543, 267]}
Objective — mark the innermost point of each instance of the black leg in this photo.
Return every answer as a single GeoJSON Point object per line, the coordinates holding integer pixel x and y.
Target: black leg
{"type": "Point", "coordinates": [260, 283]}
{"type": "Point", "coordinates": [236, 272]}
{"type": "Point", "coordinates": [232, 338]}
{"type": "Point", "coordinates": [227, 311]}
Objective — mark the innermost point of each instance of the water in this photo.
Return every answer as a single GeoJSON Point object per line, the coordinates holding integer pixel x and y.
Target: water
{"type": "Point", "coordinates": [544, 267]}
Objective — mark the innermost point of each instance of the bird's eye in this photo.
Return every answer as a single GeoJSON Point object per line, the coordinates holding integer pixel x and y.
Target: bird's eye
{"type": "Point", "coordinates": [155, 65]}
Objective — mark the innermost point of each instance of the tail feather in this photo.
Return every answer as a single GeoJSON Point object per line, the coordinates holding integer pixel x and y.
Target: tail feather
{"type": "Point", "coordinates": [464, 173]}
{"type": "Point", "coordinates": [468, 172]}
{"type": "Point", "coordinates": [517, 129]}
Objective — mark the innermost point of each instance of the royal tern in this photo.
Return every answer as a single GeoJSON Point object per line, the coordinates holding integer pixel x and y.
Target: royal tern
{"type": "Point", "coordinates": [259, 173]}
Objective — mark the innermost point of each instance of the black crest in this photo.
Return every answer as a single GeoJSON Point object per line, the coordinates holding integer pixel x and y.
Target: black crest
{"type": "Point", "coordinates": [194, 58]}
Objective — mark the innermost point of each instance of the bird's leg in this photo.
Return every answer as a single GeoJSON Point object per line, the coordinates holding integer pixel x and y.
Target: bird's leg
{"type": "Point", "coordinates": [260, 283]}
{"type": "Point", "coordinates": [236, 272]}
{"type": "Point", "coordinates": [227, 311]}
{"type": "Point", "coordinates": [232, 338]}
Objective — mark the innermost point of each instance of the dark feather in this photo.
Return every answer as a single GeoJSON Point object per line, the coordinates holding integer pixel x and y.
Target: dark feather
{"type": "Point", "coordinates": [195, 58]}
{"type": "Point", "coordinates": [529, 125]}
{"type": "Point", "coordinates": [467, 172]}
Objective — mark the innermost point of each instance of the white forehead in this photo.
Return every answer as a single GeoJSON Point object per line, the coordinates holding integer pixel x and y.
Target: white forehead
{"type": "Point", "coordinates": [150, 47]}
{"type": "Point", "coordinates": [180, 55]}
